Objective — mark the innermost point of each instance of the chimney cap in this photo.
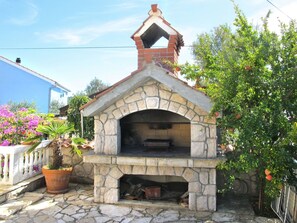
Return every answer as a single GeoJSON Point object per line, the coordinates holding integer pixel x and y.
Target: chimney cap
{"type": "Point", "coordinates": [18, 60]}
{"type": "Point", "coordinates": [154, 7]}
{"type": "Point", "coordinates": [155, 10]}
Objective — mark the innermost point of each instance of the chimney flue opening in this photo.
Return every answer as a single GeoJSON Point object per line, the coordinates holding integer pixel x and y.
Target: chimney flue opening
{"type": "Point", "coordinates": [18, 60]}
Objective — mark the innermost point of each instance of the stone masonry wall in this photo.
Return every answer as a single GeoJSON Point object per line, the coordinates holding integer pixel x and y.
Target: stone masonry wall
{"type": "Point", "coordinates": [202, 183]}
{"type": "Point", "coordinates": [154, 95]}
{"type": "Point", "coordinates": [82, 172]}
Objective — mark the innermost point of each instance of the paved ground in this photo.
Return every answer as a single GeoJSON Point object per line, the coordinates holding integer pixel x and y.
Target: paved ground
{"type": "Point", "coordinates": [77, 206]}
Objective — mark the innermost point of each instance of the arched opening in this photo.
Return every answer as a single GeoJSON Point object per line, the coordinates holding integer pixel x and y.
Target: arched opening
{"type": "Point", "coordinates": [155, 133]}
{"type": "Point", "coordinates": [154, 188]}
{"type": "Point", "coordinates": [152, 35]}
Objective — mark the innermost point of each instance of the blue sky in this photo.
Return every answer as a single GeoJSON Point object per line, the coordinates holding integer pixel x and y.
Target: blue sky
{"type": "Point", "coordinates": [78, 23]}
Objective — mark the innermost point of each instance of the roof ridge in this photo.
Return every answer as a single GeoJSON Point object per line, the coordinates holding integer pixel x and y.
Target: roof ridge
{"type": "Point", "coordinates": [34, 72]}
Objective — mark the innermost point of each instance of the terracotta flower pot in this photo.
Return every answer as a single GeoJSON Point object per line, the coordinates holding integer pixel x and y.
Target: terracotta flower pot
{"type": "Point", "coordinates": [57, 181]}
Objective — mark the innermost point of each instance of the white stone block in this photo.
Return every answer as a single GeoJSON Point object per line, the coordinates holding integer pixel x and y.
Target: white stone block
{"type": "Point", "coordinates": [110, 182]}
{"type": "Point", "coordinates": [198, 149]}
{"type": "Point", "coordinates": [165, 94]}
{"type": "Point", "coordinates": [194, 187]}
{"type": "Point", "coordinates": [210, 190]}
{"type": "Point", "coordinates": [98, 127]}
{"type": "Point", "coordinates": [212, 148]}
{"type": "Point", "coordinates": [89, 170]}
{"type": "Point", "coordinates": [110, 109]}
{"type": "Point", "coordinates": [138, 170]}
{"type": "Point", "coordinates": [151, 82]}
{"type": "Point", "coordinates": [182, 110]}
{"type": "Point", "coordinates": [139, 161]}
{"type": "Point", "coordinates": [111, 196]}
{"type": "Point", "coordinates": [152, 161]}
{"type": "Point", "coordinates": [190, 114]}
{"type": "Point", "coordinates": [104, 169]}
{"type": "Point", "coordinates": [110, 127]}
{"type": "Point", "coordinates": [120, 103]}
{"type": "Point", "coordinates": [212, 131]}
{"type": "Point", "coordinates": [176, 162]}
{"type": "Point", "coordinates": [198, 132]}
{"type": "Point", "coordinates": [99, 181]}
{"type": "Point", "coordinates": [209, 120]}
{"type": "Point", "coordinates": [169, 171]}
{"type": "Point", "coordinates": [152, 170]}
{"type": "Point", "coordinates": [125, 110]}
{"type": "Point", "coordinates": [117, 114]}
{"type": "Point", "coordinates": [190, 105]}
{"type": "Point", "coordinates": [151, 90]}
{"type": "Point", "coordinates": [212, 203]}
{"type": "Point", "coordinates": [138, 90]}
{"type": "Point", "coordinates": [133, 98]}
{"type": "Point", "coordinates": [179, 171]}
{"type": "Point", "coordinates": [164, 104]}
{"type": "Point", "coordinates": [110, 145]}
{"type": "Point", "coordinates": [164, 87]}
{"type": "Point", "coordinates": [133, 107]}
{"type": "Point", "coordinates": [103, 117]}
{"type": "Point", "coordinates": [202, 203]}
{"type": "Point", "coordinates": [203, 177]}
{"type": "Point", "coordinates": [141, 105]}
{"type": "Point", "coordinates": [190, 175]}
{"type": "Point", "coordinates": [115, 173]}
{"type": "Point", "coordinates": [200, 111]}
{"type": "Point", "coordinates": [125, 169]}
{"type": "Point", "coordinates": [97, 194]}
{"type": "Point", "coordinates": [177, 98]}
{"type": "Point", "coordinates": [196, 118]}
{"type": "Point", "coordinates": [212, 176]}
{"type": "Point", "coordinates": [192, 201]}
{"type": "Point", "coordinates": [99, 144]}
{"type": "Point", "coordinates": [152, 102]}
{"type": "Point", "coordinates": [173, 106]}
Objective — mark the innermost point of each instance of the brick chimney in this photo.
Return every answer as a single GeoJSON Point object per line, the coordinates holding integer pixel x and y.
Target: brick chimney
{"type": "Point", "coordinates": [154, 28]}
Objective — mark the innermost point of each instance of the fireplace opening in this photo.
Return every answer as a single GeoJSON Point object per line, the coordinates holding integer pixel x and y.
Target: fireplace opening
{"type": "Point", "coordinates": [169, 189]}
{"type": "Point", "coordinates": [155, 133]}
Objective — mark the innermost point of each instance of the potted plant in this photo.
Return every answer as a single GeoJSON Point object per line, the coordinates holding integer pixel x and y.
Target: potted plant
{"type": "Point", "coordinates": [56, 174]}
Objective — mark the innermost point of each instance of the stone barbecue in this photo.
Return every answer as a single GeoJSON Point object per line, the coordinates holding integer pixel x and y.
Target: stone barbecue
{"type": "Point", "coordinates": [153, 130]}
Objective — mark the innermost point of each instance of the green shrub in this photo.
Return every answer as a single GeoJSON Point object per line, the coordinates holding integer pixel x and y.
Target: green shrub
{"type": "Point", "coordinates": [74, 117]}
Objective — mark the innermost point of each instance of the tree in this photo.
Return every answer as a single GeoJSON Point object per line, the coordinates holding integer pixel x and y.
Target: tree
{"type": "Point", "coordinates": [55, 106]}
{"type": "Point", "coordinates": [94, 86]}
{"type": "Point", "coordinates": [15, 106]}
{"type": "Point", "coordinates": [74, 117]}
{"type": "Point", "coordinates": [251, 76]}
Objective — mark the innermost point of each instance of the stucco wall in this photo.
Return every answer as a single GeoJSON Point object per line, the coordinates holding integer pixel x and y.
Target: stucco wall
{"type": "Point", "coordinates": [18, 86]}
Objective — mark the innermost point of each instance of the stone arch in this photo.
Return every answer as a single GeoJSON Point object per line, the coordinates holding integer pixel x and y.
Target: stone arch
{"type": "Point", "coordinates": [154, 95]}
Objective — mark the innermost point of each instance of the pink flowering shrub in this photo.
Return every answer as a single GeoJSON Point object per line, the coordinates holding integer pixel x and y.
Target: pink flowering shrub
{"type": "Point", "coordinates": [15, 127]}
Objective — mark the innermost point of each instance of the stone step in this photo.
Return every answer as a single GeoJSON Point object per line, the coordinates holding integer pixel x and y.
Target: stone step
{"type": "Point", "coordinates": [12, 206]}
{"type": "Point", "coordinates": [12, 191]}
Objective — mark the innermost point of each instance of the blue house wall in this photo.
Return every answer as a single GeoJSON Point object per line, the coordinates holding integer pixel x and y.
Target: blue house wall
{"type": "Point", "coordinates": [18, 85]}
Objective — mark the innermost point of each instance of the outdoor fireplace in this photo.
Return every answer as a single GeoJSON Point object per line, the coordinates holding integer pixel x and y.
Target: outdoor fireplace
{"type": "Point", "coordinates": [153, 128]}
{"type": "Point", "coordinates": [155, 133]}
